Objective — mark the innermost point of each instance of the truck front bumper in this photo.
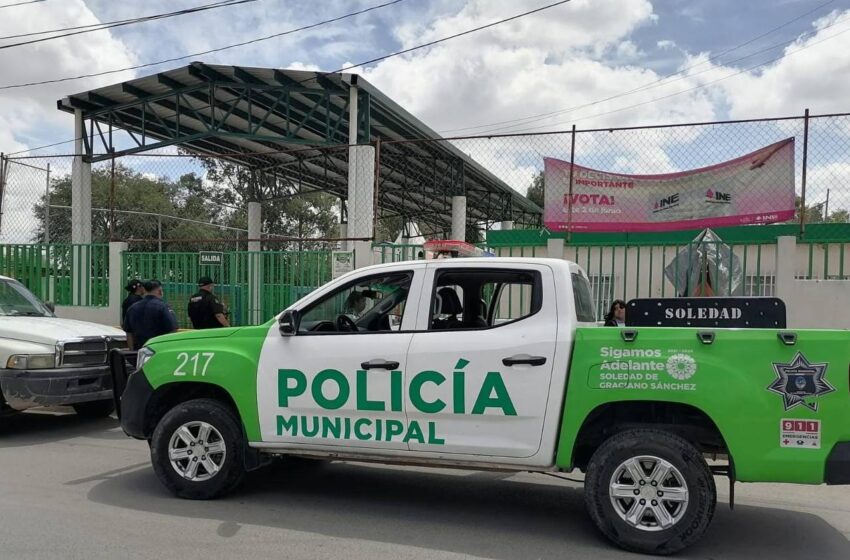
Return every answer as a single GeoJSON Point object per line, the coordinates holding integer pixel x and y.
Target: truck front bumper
{"type": "Point", "coordinates": [134, 405]}
{"type": "Point", "coordinates": [838, 464]}
{"type": "Point", "coordinates": [24, 388]}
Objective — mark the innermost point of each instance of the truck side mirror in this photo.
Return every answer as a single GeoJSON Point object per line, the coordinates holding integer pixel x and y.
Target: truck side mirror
{"type": "Point", "coordinates": [288, 323]}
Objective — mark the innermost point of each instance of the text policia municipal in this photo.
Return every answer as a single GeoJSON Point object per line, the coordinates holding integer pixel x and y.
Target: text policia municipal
{"type": "Point", "coordinates": [292, 384]}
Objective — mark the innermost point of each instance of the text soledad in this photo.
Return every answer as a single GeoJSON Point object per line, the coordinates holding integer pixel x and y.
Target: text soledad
{"type": "Point", "coordinates": [330, 389]}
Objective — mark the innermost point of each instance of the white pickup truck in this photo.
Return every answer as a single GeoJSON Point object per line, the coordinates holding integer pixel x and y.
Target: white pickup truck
{"type": "Point", "coordinates": [48, 361]}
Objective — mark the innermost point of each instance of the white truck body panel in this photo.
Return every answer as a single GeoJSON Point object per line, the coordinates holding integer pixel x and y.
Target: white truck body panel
{"type": "Point", "coordinates": [525, 440]}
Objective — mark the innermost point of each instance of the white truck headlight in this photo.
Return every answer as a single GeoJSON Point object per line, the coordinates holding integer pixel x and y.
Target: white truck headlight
{"type": "Point", "coordinates": [143, 355]}
{"type": "Point", "coordinates": [31, 361]}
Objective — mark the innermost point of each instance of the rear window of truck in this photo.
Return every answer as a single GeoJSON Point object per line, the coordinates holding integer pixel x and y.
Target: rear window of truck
{"type": "Point", "coordinates": [581, 295]}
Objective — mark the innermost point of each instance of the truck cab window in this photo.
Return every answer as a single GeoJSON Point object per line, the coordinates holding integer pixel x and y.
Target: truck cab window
{"type": "Point", "coordinates": [583, 301]}
{"type": "Point", "coordinates": [483, 298]}
{"type": "Point", "coordinates": [372, 304]}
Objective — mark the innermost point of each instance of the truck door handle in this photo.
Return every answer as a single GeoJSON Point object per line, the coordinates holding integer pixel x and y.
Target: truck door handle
{"type": "Point", "coordinates": [524, 359]}
{"type": "Point", "coordinates": [787, 338]}
{"type": "Point", "coordinates": [379, 363]}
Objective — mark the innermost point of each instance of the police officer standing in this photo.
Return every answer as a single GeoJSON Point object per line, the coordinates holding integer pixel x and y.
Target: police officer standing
{"type": "Point", "coordinates": [205, 310]}
{"type": "Point", "coordinates": [136, 291]}
{"type": "Point", "coordinates": [149, 318]}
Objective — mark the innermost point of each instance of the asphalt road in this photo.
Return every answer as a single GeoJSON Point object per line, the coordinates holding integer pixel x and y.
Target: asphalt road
{"type": "Point", "coordinates": [71, 488]}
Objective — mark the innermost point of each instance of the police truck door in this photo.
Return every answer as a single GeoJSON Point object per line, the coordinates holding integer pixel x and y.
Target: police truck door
{"type": "Point", "coordinates": [339, 380]}
{"type": "Point", "coordinates": [487, 343]}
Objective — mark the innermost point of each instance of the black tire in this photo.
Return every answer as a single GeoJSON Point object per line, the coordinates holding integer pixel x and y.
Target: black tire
{"type": "Point", "coordinates": [232, 468]}
{"type": "Point", "coordinates": [94, 409]}
{"type": "Point", "coordinates": [698, 510]}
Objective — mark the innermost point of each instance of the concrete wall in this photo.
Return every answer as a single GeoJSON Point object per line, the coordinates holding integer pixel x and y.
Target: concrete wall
{"type": "Point", "coordinates": [818, 304]}
{"type": "Point", "coordinates": [805, 276]}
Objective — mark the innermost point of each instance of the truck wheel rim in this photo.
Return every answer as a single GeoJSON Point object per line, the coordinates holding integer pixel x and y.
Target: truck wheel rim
{"type": "Point", "coordinates": [648, 493]}
{"type": "Point", "coordinates": [197, 451]}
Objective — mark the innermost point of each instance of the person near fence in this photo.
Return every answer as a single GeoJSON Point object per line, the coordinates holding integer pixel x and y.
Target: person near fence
{"type": "Point", "coordinates": [205, 309]}
{"type": "Point", "coordinates": [616, 316]}
{"type": "Point", "coordinates": [149, 318]}
{"type": "Point", "coordinates": [136, 289]}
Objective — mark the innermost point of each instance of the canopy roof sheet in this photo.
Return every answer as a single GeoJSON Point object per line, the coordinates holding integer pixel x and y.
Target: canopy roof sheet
{"type": "Point", "coordinates": [292, 127]}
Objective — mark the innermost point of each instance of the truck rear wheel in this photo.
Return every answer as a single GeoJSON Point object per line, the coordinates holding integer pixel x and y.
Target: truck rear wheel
{"type": "Point", "coordinates": [197, 450]}
{"type": "Point", "coordinates": [650, 491]}
{"type": "Point", "coordinates": [94, 409]}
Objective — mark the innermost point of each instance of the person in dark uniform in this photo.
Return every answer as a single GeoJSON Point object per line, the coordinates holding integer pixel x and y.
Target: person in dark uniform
{"type": "Point", "coordinates": [136, 289]}
{"type": "Point", "coordinates": [205, 310]}
{"type": "Point", "coordinates": [149, 318]}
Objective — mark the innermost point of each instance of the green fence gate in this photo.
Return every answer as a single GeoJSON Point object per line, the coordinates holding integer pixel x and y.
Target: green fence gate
{"type": "Point", "coordinates": [254, 286]}
{"type": "Point", "coordinates": [65, 274]}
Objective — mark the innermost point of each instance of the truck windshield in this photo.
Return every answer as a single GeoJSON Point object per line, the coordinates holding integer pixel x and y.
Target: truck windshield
{"type": "Point", "coordinates": [17, 301]}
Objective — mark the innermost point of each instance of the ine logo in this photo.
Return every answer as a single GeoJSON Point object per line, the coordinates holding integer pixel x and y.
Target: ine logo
{"type": "Point", "coordinates": [666, 203]}
{"type": "Point", "coordinates": [717, 197]}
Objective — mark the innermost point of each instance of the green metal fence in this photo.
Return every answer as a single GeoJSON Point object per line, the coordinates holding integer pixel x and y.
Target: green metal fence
{"type": "Point", "coordinates": [389, 253]}
{"type": "Point", "coordinates": [254, 286]}
{"type": "Point", "coordinates": [823, 261]}
{"type": "Point", "coordinates": [618, 270]}
{"type": "Point", "coordinates": [62, 273]}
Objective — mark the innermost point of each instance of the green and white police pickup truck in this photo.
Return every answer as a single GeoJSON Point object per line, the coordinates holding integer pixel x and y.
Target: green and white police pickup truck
{"type": "Point", "coordinates": [497, 363]}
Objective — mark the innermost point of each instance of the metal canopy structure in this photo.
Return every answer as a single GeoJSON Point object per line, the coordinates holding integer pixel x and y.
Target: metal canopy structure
{"type": "Point", "coordinates": [292, 128]}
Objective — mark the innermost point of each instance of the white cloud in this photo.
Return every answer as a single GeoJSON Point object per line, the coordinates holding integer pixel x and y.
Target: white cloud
{"type": "Point", "coordinates": [28, 116]}
{"type": "Point", "coordinates": [814, 72]}
{"type": "Point", "coordinates": [27, 112]}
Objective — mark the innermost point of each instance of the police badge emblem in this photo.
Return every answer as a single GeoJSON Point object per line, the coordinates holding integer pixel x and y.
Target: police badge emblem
{"type": "Point", "coordinates": [800, 380]}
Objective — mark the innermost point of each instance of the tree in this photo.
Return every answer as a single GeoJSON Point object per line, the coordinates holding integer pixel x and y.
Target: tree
{"type": "Point", "coordinates": [288, 211]}
{"type": "Point", "coordinates": [152, 201]}
{"type": "Point", "coordinates": [535, 191]}
{"type": "Point", "coordinates": [814, 213]}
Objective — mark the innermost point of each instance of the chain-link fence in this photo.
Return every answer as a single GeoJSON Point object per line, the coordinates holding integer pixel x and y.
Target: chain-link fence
{"type": "Point", "coordinates": [171, 201]}
{"type": "Point", "coordinates": [809, 154]}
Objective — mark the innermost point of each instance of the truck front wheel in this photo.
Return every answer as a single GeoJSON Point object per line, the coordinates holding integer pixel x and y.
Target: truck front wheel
{"type": "Point", "coordinates": [650, 491]}
{"type": "Point", "coordinates": [197, 450]}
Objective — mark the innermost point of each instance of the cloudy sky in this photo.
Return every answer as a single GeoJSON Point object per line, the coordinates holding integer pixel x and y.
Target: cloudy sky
{"type": "Point", "coordinates": [593, 63]}
{"type": "Point", "coordinates": [571, 63]}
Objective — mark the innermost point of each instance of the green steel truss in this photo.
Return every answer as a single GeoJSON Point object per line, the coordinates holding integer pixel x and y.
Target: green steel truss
{"type": "Point", "coordinates": [291, 129]}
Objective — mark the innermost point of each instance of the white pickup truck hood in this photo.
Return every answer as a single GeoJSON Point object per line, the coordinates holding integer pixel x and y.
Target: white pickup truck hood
{"type": "Point", "coordinates": [50, 330]}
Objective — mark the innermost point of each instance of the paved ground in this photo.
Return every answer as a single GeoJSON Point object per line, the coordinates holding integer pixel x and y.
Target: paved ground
{"type": "Point", "coordinates": [80, 489]}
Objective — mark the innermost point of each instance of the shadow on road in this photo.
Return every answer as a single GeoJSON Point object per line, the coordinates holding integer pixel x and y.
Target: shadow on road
{"type": "Point", "coordinates": [461, 513]}
{"type": "Point", "coordinates": [46, 426]}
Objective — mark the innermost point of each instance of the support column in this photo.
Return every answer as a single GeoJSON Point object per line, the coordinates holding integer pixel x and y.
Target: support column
{"type": "Point", "coordinates": [459, 218]}
{"type": "Point", "coordinates": [255, 264]}
{"type": "Point", "coordinates": [80, 187]}
{"type": "Point", "coordinates": [255, 223]}
{"type": "Point", "coordinates": [555, 248]}
{"type": "Point", "coordinates": [117, 279]}
{"type": "Point", "coordinates": [81, 233]}
{"type": "Point", "coordinates": [786, 255]}
{"type": "Point", "coordinates": [361, 189]}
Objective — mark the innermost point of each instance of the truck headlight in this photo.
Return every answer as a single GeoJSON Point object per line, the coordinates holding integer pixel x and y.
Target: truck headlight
{"type": "Point", "coordinates": [143, 355]}
{"type": "Point", "coordinates": [31, 361]}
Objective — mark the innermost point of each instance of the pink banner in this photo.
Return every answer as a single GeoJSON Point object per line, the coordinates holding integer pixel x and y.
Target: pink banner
{"type": "Point", "coordinates": [757, 188]}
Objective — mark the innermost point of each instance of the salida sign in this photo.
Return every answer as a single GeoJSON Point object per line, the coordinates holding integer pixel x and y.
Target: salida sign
{"type": "Point", "coordinates": [757, 188]}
